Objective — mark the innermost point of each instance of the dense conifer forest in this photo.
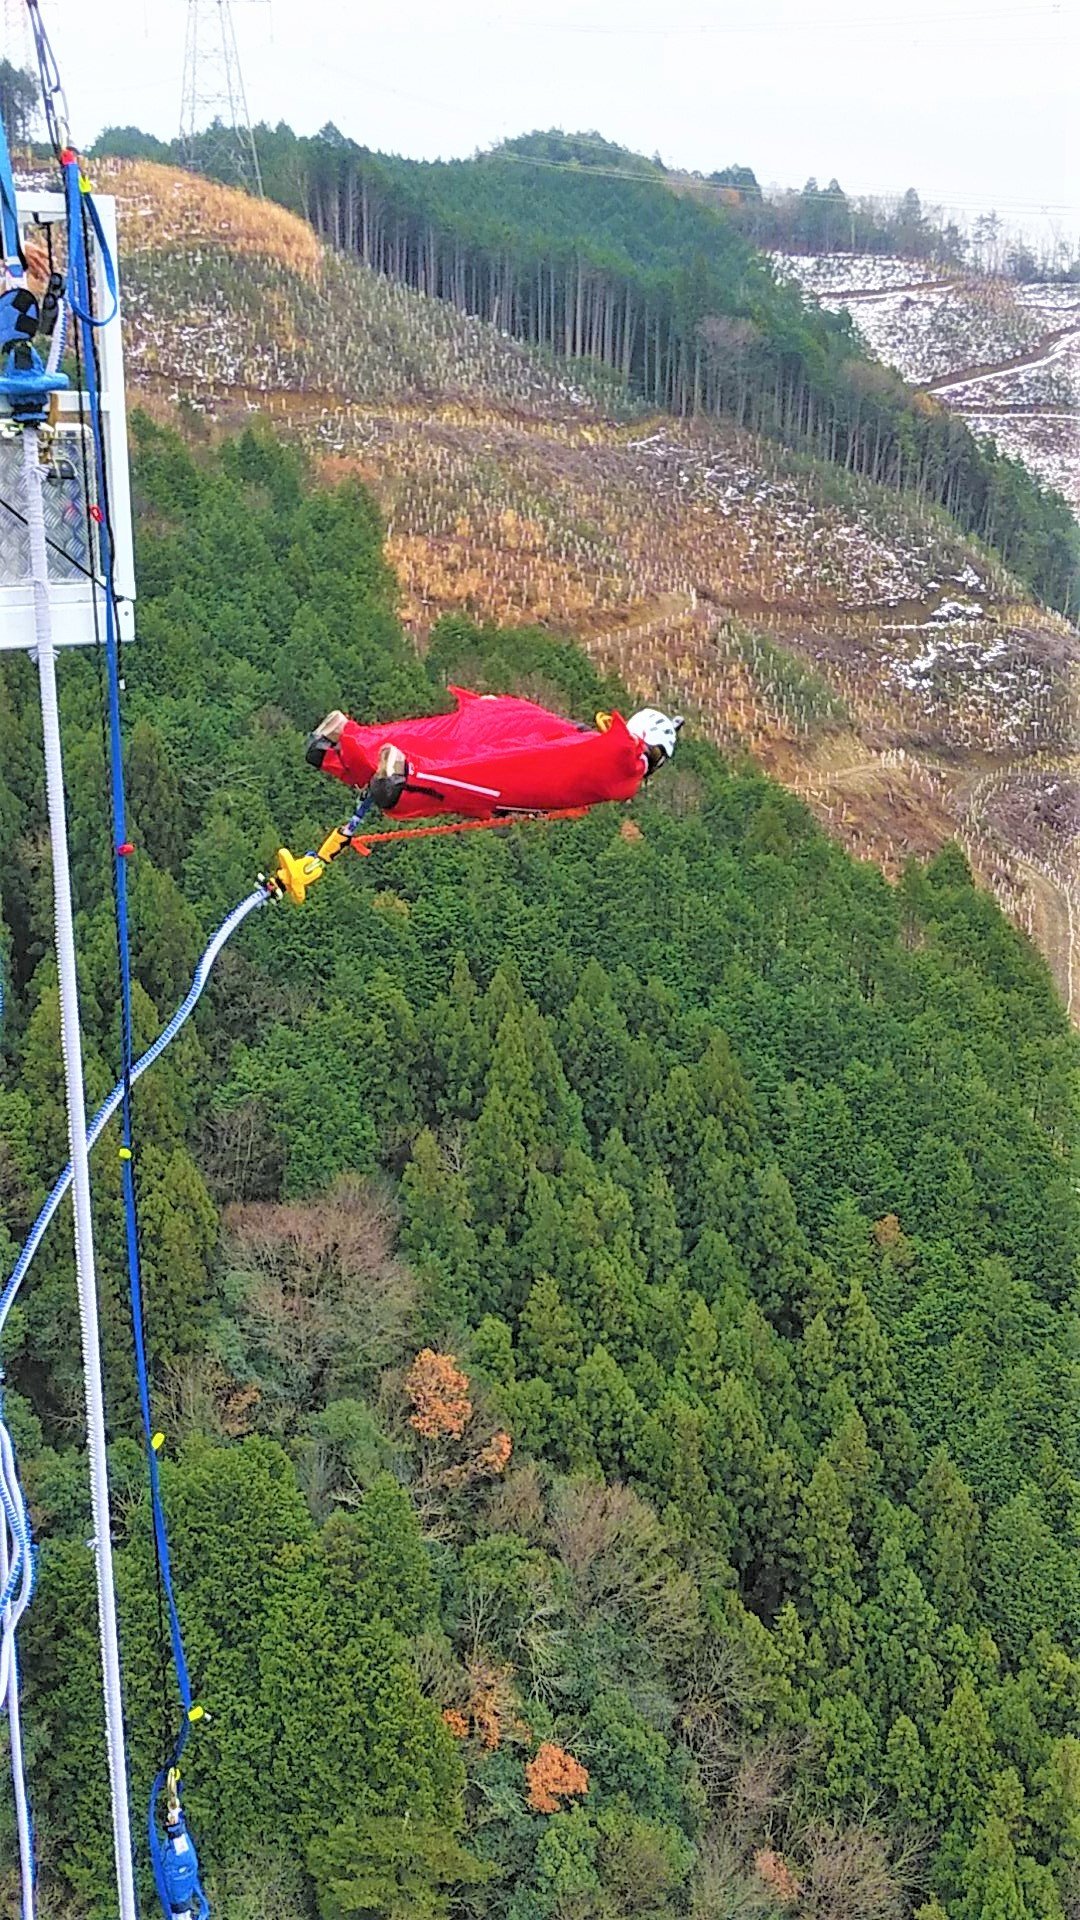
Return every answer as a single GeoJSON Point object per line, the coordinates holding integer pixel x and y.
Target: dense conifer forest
{"type": "Point", "coordinates": [610, 1294]}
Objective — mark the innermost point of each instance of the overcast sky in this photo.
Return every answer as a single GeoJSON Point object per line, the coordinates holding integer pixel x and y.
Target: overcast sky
{"type": "Point", "coordinates": [977, 107]}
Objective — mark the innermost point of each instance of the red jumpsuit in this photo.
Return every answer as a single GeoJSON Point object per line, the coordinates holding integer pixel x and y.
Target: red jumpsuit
{"type": "Point", "coordinates": [495, 754]}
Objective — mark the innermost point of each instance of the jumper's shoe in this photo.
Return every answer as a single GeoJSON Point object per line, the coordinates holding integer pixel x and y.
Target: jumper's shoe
{"type": "Point", "coordinates": [391, 773]}
{"type": "Point", "coordinates": [325, 736]}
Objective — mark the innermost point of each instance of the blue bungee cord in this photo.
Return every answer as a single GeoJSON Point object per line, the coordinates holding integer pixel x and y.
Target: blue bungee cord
{"type": "Point", "coordinates": [172, 1854]}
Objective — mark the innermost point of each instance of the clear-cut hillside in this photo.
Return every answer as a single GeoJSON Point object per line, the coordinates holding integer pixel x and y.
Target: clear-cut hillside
{"type": "Point", "coordinates": [1004, 357]}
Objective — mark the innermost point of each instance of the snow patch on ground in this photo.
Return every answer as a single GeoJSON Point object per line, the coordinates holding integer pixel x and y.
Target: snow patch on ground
{"type": "Point", "coordinates": [958, 678]}
{"type": "Point", "coordinates": [926, 323]}
{"type": "Point", "coordinates": [823, 273]}
{"type": "Point", "coordinates": [1061, 301]}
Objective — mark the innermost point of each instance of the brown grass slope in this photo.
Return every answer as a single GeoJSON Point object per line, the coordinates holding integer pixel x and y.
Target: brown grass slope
{"type": "Point", "coordinates": [860, 649]}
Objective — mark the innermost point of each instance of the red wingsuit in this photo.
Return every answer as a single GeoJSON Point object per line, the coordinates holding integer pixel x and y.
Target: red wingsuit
{"type": "Point", "coordinates": [495, 754]}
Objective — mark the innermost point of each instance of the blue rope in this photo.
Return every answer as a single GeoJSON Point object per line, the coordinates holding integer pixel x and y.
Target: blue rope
{"type": "Point", "coordinates": [77, 196]}
{"type": "Point", "coordinates": [80, 208]}
{"type": "Point", "coordinates": [79, 269]}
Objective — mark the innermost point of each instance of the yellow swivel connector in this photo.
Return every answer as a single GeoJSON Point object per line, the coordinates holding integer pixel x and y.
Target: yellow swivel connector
{"type": "Point", "coordinates": [296, 874]}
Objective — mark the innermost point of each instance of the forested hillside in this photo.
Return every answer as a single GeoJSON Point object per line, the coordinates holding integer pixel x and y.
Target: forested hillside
{"type": "Point", "coordinates": [609, 1291]}
{"type": "Point", "coordinates": [669, 294]}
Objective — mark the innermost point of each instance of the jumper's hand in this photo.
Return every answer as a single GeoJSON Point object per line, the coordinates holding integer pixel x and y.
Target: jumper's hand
{"type": "Point", "coordinates": [37, 264]}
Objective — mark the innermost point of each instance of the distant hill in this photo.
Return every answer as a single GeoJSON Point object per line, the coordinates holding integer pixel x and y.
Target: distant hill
{"type": "Point", "coordinates": [671, 295]}
{"type": "Point", "coordinates": [226, 293]}
{"type": "Point", "coordinates": [555, 148]}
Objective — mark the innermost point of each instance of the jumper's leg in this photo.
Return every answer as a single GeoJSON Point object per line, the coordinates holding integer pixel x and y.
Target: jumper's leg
{"type": "Point", "coordinates": [391, 774]}
{"type": "Point", "coordinates": [326, 735]}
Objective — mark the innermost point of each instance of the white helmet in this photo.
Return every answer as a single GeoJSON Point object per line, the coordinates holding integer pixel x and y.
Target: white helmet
{"type": "Point", "coordinates": [656, 732]}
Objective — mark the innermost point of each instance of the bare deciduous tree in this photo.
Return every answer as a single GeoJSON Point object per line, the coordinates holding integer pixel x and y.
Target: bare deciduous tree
{"type": "Point", "coordinates": [854, 1872]}
{"type": "Point", "coordinates": [516, 1503]}
{"type": "Point", "coordinates": [322, 1297]}
{"type": "Point", "coordinates": [721, 1695]}
{"type": "Point", "coordinates": [615, 1550]}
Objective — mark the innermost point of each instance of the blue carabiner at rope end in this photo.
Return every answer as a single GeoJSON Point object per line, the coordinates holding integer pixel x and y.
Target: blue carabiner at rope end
{"type": "Point", "coordinates": [176, 1863]}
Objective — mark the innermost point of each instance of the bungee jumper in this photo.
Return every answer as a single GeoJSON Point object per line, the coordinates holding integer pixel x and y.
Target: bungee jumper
{"type": "Point", "coordinates": [494, 755]}
{"type": "Point", "coordinates": [492, 759]}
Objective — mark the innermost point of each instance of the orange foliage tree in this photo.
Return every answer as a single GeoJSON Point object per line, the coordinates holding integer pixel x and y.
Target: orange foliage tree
{"type": "Point", "coordinates": [439, 1395]}
{"type": "Point", "coordinates": [773, 1869]}
{"type": "Point", "coordinates": [494, 1458]}
{"type": "Point", "coordinates": [490, 1710]}
{"type": "Point", "coordinates": [554, 1775]}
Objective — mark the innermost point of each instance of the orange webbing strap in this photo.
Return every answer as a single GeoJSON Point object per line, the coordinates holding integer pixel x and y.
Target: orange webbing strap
{"type": "Point", "coordinates": [365, 843]}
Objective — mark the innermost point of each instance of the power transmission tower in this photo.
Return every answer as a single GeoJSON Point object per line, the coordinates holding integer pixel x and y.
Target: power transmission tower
{"type": "Point", "coordinates": [215, 126]}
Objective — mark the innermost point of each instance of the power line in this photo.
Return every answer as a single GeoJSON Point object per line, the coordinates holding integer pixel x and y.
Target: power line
{"type": "Point", "coordinates": [700, 185]}
{"type": "Point", "coordinates": [803, 22]}
{"type": "Point", "coordinates": [705, 186]}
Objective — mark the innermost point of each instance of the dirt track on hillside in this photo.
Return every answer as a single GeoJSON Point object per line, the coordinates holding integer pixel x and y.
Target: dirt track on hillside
{"type": "Point", "coordinates": [986, 369]}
